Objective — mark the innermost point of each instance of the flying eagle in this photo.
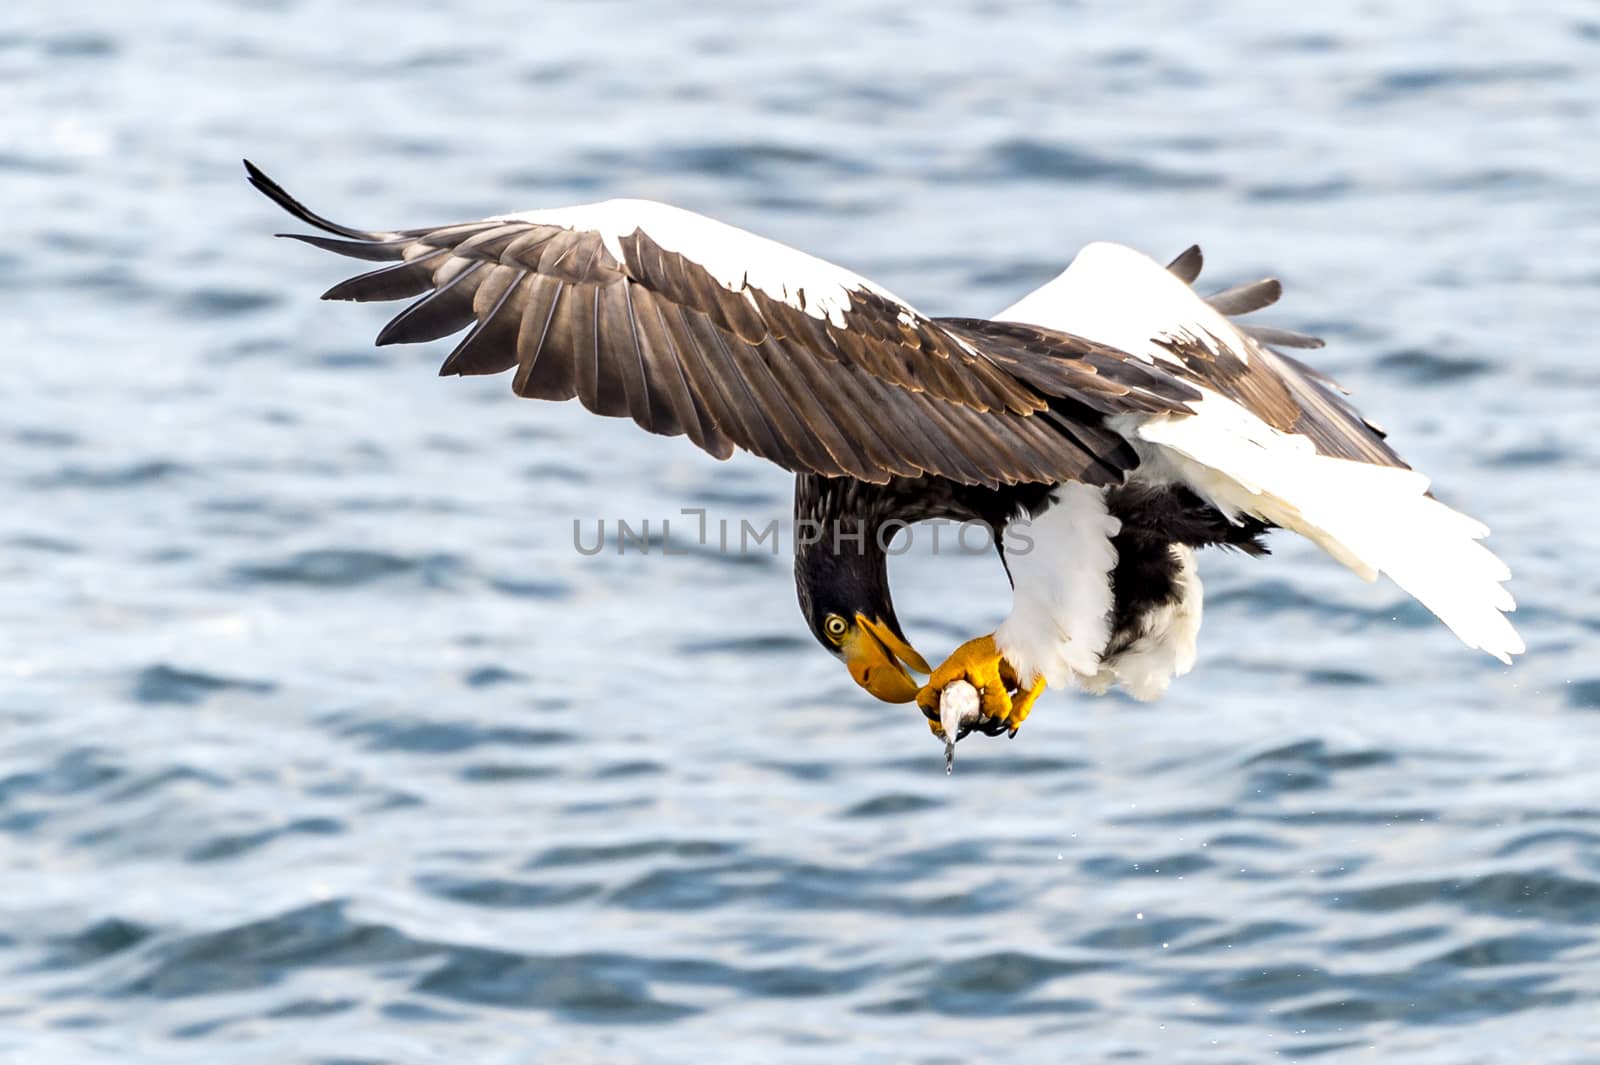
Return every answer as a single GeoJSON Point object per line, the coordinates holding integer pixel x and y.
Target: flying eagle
{"type": "Point", "coordinates": [1123, 418]}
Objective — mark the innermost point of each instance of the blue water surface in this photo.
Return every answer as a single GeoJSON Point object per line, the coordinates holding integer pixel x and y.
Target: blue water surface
{"type": "Point", "coordinates": [323, 745]}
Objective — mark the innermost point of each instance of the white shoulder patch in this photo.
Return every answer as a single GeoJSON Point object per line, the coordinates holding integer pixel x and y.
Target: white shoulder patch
{"type": "Point", "coordinates": [734, 257]}
{"type": "Point", "coordinates": [1117, 296]}
{"type": "Point", "coordinates": [1061, 565]}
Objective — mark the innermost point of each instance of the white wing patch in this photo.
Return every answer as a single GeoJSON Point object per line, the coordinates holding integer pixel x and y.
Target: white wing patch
{"type": "Point", "coordinates": [735, 257]}
{"type": "Point", "coordinates": [1120, 297]}
{"type": "Point", "coordinates": [1061, 606]}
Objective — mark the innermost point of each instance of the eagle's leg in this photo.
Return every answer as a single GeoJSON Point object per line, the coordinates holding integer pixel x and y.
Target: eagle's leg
{"type": "Point", "coordinates": [979, 663]}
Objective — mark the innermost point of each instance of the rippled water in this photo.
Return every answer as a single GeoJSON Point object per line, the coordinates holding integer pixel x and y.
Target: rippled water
{"type": "Point", "coordinates": [322, 744]}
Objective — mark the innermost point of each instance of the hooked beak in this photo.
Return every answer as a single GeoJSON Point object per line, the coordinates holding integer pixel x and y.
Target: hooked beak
{"type": "Point", "coordinates": [874, 654]}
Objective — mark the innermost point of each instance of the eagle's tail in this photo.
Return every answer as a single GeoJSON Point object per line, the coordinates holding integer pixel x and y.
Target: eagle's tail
{"type": "Point", "coordinates": [1374, 519]}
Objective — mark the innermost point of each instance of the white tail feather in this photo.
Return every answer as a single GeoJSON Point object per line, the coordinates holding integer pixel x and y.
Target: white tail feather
{"type": "Point", "coordinates": [1374, 519]}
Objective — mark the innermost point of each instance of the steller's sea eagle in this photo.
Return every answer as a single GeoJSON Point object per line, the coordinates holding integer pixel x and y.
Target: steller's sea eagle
{"type": "Point", "coordinates": [1125, 418]}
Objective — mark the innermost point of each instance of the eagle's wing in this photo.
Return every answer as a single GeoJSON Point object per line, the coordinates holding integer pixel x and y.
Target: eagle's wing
{"type": "Point", "coordinates": [689, 326]}
{"type": "Point", "coordinates": [1326, 416]}
{"type": "Point", "coordinates": [1269, 438]}
{"type": "Point", "coordinates": [1243, 299]}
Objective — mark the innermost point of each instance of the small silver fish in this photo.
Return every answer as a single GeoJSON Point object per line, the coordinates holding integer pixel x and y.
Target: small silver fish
{"type": "Point", "coordinates": [959, 708]}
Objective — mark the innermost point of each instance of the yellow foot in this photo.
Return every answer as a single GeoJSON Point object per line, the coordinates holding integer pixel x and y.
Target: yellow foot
{"type": "Point", "coordinates": [978, 662]}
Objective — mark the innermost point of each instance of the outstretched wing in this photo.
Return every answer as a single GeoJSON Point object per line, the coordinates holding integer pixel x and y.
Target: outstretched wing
{"type": "Point", "coordinates": [689, 326]}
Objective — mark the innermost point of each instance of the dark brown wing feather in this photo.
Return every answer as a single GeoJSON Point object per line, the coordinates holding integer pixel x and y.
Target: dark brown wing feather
{"type": "Point", "coordinates": [653, 337]}
{"type": "Point", "coordinates": [1327, 417]}
{"type": "Point", "coordinates": [1186, 267]}
{"type": "Point", "coordinates": [1102, 378]}
{"type": "Point", "coordinates": [1278, 388]}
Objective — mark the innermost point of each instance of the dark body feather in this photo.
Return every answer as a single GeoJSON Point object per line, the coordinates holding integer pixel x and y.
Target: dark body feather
{"type": "Point", "coordinates": [851, 523]}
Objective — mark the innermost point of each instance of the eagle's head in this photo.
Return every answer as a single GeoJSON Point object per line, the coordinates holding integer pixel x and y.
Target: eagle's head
{"type": "Point", "coordinates": [844, 593]}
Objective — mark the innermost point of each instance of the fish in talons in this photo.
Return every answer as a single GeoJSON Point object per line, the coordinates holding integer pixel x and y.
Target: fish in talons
{"type": "Point", "coordinates": [960, 711]}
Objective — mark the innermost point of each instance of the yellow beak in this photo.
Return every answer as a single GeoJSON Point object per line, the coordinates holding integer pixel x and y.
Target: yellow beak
{"type": "Point", "coordinates": [874, 655]}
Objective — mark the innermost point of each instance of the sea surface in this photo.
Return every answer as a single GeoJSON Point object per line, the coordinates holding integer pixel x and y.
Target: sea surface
{"type": "Point", "coordinates": [320, 742]}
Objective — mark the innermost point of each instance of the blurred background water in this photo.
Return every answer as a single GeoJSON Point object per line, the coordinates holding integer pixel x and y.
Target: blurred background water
{"type": "Point", "coordinates": [322, 744]}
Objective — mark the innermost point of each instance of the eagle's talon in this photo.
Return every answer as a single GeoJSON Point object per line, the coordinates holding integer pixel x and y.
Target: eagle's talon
{"type": "Point", "coordinates": [989, 726]}
{"type": "Point", "coordinates": [995, 701]}
{"type": "Point", "coordinates": [1002, 705]}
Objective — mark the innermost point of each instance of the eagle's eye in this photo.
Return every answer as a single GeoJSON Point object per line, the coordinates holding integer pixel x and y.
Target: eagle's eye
{"type": "Point", "coordinates": [835, 626]}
